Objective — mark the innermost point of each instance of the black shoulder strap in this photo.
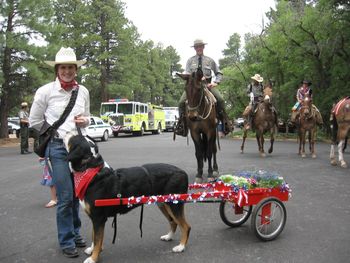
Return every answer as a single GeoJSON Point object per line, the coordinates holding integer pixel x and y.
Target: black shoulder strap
{"type": "Point", "coordinates": [67, 110]}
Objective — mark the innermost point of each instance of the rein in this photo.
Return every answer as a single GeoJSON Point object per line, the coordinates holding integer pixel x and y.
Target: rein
{"type": "Point", "coordinates": [203, 86]}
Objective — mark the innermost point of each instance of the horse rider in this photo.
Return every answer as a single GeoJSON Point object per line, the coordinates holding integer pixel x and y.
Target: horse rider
{"type": "Point", "coordinates": [207, 65]}
{"type": "Point", "coordinates": [255, 91]}
{"type": "Point", "coordinates": [302, 92]}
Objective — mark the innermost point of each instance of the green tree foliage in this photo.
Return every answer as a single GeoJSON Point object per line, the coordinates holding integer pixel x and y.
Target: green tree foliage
{"type": "Point", "coordinates": [22, 23]}
{"type": "Point", "coordinates": [303, 40]}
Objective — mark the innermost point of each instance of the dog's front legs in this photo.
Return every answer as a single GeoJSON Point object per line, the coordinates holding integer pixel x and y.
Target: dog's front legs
{"type": "Point", "coordinates": [98, 232]}
{"type": "Point", "coordinates": [173, 225]}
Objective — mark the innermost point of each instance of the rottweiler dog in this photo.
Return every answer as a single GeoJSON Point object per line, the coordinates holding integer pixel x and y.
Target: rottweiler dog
{"type": "Point", "coordinates": [147, 180]}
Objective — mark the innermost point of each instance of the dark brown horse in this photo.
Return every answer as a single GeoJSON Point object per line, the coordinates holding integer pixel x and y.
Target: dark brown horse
{"type": "Point", "coordinates": [264, 120]}
{"type": "Point", "coordinates": [340, 126]}
{"type": "Point", "coordinates": [201, 120]}
{"type": "Point", "coordinates": [307, 125]}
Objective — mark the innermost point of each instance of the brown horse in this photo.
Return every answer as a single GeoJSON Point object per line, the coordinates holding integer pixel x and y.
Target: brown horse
{"type": "Point", "coordinates": [307, 125]}
{"type": "Point", "coordinates": [340, 126]}
{"type": "Point", "coordinates": [264, 120]}
{"type": "Point", "coordinates": [201, 120]}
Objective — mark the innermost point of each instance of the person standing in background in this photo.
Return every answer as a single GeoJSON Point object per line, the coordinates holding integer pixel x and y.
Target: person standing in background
{"type": "Point", "coordinates": [24, 124]}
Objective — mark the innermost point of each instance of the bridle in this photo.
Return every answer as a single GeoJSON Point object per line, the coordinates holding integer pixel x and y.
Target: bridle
{"type": "Point", "coordinates": [202, 98]}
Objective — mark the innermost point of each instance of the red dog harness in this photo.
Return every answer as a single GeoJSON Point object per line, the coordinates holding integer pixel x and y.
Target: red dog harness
{"type": "Point", "coordinates": [83, 179]}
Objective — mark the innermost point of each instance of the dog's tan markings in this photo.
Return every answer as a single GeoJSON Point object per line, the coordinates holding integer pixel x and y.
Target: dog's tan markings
{"type": "Point", "coordinates": [87, 208]}
{"type": "Point", "coordinates": [172, 223]}
{"type": "Point", "coordinates": [98, 240]}
{"type": "Point", "coordinates": [184, 227]}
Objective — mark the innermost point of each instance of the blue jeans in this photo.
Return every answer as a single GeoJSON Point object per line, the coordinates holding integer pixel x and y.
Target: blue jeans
{"type": "Point", "coordinates": [67, 213]}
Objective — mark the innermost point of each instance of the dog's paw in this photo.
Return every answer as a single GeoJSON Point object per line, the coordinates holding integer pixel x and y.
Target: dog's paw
{"type": "Point", "coordinates": [179, 248]}
{"type": "Point", "coordinates": [88, 251]}
{"type": "Point", "coordinates": [167, 237]}
{"type": "Point", "coordinates": [89, 260]}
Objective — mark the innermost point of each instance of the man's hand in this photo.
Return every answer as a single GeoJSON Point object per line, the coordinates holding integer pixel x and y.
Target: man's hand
{"type": "Point", "coordinates": [212, 85]}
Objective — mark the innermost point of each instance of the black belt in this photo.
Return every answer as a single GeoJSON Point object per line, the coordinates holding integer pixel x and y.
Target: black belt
{"type": "Point", "coordinates": [57, 140]}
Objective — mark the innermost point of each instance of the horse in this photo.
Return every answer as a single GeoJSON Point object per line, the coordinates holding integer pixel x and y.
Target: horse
{"type": "Point", "coordinates": [307, 124]}
{"type": "Point", "coordinates": [340, 126]}
{"type": "Point", "coordinates": [202, 123]}
{"type": "Point", "coordinates": [264, 120]}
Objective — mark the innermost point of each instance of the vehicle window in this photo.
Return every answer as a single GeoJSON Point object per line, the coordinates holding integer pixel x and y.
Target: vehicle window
{"type": "Point", "coordinates": [92, 122]}
{"type": "Point", "coordinates": [125, 108]}
{"type": "Point", "coordinates": [137, 110]}
{"type": "Point", "coordinates": [108, 109]}
{"type": "Point", "coordinates": [142, 109]}
{"type": "Point", "coordinates": [99, 122]}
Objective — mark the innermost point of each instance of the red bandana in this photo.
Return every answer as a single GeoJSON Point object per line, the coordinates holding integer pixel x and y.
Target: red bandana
{"type": "Point", "coordinates": [68, 85]}
{"type": "Point", "coordinates": [83, 179]}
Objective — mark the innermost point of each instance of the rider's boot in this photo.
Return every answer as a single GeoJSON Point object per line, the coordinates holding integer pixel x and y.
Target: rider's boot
{"type": "Point", "coordinates": [181, 126]}
{"type": "Point", "coordinates": [222, 116]}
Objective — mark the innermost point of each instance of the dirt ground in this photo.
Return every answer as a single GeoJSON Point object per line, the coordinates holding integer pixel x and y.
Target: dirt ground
{"type": "Point", "coordinates": [12, 141]}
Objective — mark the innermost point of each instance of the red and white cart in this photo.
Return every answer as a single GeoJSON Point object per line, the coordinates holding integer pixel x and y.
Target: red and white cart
{"type": "Point", "coordinates": [236, 205]}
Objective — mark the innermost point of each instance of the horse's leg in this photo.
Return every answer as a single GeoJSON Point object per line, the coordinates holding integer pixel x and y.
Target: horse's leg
{"type": "Point", "coordinates": [302, 143]}
{"type": "Point", "coordinates": [199, 157]}
{"type": "Point", "coordinates": [332, 155]}
{"type": "Point", "coordinates": [340, 154]}
{"type": "Point", "coordinates": [215, 165]}
{"type": "Point", "coordinates": [342, 132]}
{"type": "Point", "coordinates": [272, 140]}
{"type": "Point", "coordinates": [244, 137]}
{"type": "Point", "coordinates": [260, 140]}
{"type": "Point", "coordinates": [312, 142]}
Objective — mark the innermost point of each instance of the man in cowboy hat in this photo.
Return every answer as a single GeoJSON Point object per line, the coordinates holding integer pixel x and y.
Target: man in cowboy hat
{"type": "Point", "coordinates": [24, 124]}
{"type": "Point", "coordinates": [255, 91]}
{"type": "Point", "coordinates": [50, 101]}
{"type": "Point", "coordinates": [207, 65]}
{"type": "Point", "coordinates": [302, 92]}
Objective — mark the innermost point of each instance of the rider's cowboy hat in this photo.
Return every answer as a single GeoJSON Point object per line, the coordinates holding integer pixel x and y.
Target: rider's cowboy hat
{"type": "Point", "coordinates": [66, 56]}
{"type": "Point", "coordinates": [198, 42]}
{"type": "Point", "coordinates": [258, 78]}
{"type": "Point", "coordinates": [309, 83]}
{"type": "Point", "coordinates": [24, 104]}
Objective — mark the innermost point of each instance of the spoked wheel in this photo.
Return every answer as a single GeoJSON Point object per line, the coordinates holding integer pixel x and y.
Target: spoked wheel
{"type": "Point", "coordinates": [268, 219]}
{"type": "Point", "coordinates": [233, 215]}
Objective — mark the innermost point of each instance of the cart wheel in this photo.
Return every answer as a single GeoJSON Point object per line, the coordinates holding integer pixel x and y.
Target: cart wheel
{"type": "Point", "coordinates": [268, 219]}
{"type": "Point", "coordinates": [233, 215]}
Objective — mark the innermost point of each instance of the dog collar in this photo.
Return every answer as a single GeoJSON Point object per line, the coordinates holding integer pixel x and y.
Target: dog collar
{"type": "Point", "coordinates": [83, 179]}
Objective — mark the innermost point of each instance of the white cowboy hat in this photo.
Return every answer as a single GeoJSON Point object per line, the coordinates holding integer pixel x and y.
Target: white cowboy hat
{"type": "Point", "coordinates": [24, 104]}
{"type": "Point", "coordinates": [258, 78]}
{"type": "Point", "coordinates": [198, 42]}
{"type": "Point", "coordinates": [66, 56]}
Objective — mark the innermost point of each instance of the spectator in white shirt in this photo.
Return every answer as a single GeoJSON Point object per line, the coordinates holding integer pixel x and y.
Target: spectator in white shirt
{"type": "Point", "coordinates": [49, 103]}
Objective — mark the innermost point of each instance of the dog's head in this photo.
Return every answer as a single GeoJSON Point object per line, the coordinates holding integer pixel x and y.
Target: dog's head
{"type": "Point", "coordinates": [82, 152]}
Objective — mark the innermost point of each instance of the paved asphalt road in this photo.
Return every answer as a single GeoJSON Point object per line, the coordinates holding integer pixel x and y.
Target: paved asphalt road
{"type": "Point", "coordinates": [317, 228]}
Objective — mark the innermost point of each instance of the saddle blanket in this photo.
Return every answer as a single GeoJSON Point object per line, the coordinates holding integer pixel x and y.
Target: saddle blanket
{"type": "Point", "coordinates": [336, 108]}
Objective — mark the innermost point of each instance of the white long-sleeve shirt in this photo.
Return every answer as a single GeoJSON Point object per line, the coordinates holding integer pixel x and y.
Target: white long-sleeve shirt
{"type": "Point", "coordinates": [49, 103]}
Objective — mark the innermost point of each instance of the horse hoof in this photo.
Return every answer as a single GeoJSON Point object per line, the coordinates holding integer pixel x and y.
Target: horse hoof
{"type": "Point", "coordinates": [263, 155]}
{"type": "Point", "coordinates": [198, 180]}
{"type": "Point", "coordinates": [303, 155]}
{"type": "Point", "coordinates": [313, 156]}
{"type": "Point", "coordinates": [215, 174]}
{"type": "Point", "coordinates": [334, 162]}
{"type": "Point", "coordinates": [343, 164]}
{"type": "Point", "coordinates": [211, 179]}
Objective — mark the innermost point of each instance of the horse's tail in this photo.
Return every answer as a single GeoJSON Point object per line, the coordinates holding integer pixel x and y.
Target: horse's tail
{"type": "Point", "coordinates": [334, 128]}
